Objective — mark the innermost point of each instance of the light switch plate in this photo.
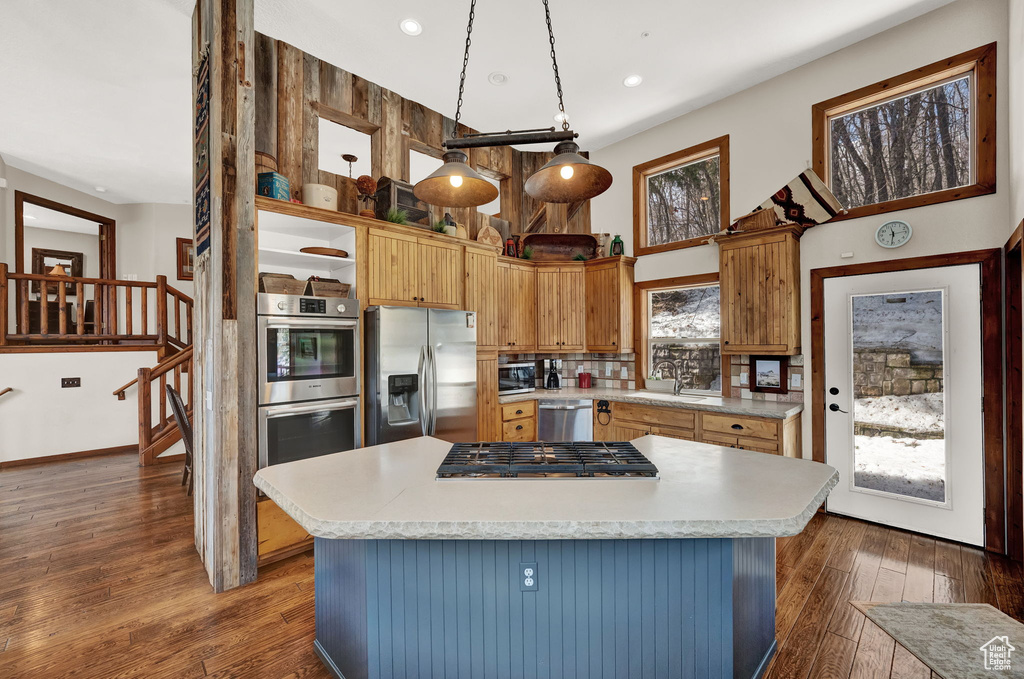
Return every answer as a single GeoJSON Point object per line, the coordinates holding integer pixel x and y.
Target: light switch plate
{"type": "Point", "coordinates": [795, 380]}
{"type": "Point", "coordinates": [743, 378]}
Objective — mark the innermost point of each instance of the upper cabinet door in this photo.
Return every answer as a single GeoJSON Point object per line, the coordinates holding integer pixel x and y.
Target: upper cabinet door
{"type": "Point", "coordinates": [481, 295]}
{"type": "Point", "coordinates": [572, 300]}
{"type": "Point", "coordinates": [760, 283]}
{"type": "Point", "coordinates": [609, 306]}
{"type": "Point", "coordinates": [523, 298]}
{"type": "Point", "coordinates": [440, 274]}
{"type": "Point", "coordinates": [393, 268]}
{"type": "Point", "coordinates": [549, 309]}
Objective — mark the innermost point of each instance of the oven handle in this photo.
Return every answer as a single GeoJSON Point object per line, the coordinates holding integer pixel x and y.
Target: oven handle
{"type": "Point", "coordinates": [311, 323]}
{"type": "Point", "coordinates": [284, 411]}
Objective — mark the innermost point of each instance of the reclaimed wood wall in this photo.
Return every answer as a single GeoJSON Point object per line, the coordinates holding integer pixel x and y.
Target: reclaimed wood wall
{"type": "Point", "coordinates": [294, 90]}
{"type": "Point", "coordinates": [224, 316]}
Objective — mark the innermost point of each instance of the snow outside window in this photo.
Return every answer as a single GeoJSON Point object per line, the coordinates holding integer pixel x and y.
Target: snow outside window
{"type": "Point", "coordinates": [684, 334]}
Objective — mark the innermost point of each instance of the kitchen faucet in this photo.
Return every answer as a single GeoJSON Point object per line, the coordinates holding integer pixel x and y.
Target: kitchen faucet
{"type": "Point", "coordinates": [677, 386]}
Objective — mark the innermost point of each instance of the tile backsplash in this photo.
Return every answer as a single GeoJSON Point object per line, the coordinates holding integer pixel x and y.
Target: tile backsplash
{"type": "Point", "coordinates": [740, 381]}
{"type": "Point", "coordinates": [605, 369]}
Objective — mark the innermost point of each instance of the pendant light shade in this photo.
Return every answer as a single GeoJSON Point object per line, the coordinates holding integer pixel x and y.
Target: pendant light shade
{"type": "Point", "coordinates": [568, 177]}
{"type": "Point", "coordinates": [455, 184]}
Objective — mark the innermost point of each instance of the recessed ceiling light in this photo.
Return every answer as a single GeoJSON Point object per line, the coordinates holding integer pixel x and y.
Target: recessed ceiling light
{"type": "Point", "coordinates": [632, 80]}
{"type": "Point", "coordinates": [411, 27]}
{"type": "Point", "coordinates": [645, 34]}
{"type": "Point", "coordinates": [100, 189]}
{"type": "Point", "coordinates": [498, 78]}
{"type": "Point", "coordinates": [561, 117]}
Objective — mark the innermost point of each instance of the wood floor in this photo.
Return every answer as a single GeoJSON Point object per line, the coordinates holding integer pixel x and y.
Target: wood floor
{"type": "Point", "coordinates": [99, 578]}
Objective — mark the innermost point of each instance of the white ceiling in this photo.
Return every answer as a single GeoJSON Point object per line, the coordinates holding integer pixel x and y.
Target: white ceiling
{"type": "Point", "coordinates": [103, 86]}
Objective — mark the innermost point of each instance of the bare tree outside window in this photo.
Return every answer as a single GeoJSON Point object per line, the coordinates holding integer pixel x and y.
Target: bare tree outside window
{"type": "Point", "coordinates": [684, 202]}
{"type": "Point", "coordinates": [914, 144]}
{"type": "Point", "coordinates": [685, 326]}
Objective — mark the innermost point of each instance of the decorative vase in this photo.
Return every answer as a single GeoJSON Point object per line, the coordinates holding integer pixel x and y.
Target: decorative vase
{"type": "Point", "coordinates": [461, 232]}
{"type": "Point", "coordinates": [451, 230]}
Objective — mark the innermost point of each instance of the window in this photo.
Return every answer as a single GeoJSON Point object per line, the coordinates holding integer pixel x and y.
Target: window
{"type": "Point", "coordinates": [337, 140]}
{"type": "Point", "coordinates": [683, 329]}
{"type": "Point", "coordinates": [920, 138]}
{"type": "Point", "coordinates": [682, 198]}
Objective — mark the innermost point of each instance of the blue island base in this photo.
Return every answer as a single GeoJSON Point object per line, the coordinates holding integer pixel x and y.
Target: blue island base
{"type": "Point", "coordinates": [595, 609]}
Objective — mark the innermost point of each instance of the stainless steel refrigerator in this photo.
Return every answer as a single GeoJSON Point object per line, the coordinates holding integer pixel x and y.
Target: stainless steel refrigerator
{"type": "Point", "coordinates": [421, 374]}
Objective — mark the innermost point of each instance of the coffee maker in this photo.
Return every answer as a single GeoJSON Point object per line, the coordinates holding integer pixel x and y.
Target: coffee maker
{"type": "Point", "coordinates": [550, 372]}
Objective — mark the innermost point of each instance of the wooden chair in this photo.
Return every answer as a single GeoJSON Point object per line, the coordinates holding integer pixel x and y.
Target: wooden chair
{"type": "Point", "coordinates": [181, 417]}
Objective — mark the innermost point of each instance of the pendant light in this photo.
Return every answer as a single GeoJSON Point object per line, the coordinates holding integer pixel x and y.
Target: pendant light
{"type": "Point", "coordinates": [566, 178]}
{"type": "Point", "coordinates": [455, 184]}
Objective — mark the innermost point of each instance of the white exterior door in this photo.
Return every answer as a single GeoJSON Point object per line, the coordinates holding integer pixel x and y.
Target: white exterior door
{"type": "Point", "coordinates": [903, 399]}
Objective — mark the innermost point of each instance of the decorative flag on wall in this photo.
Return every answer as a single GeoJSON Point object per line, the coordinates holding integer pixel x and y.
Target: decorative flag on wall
{"type": "Point", "coordinates": [202, 157]}
{"type": "Point", "coordinates": [805, 201]}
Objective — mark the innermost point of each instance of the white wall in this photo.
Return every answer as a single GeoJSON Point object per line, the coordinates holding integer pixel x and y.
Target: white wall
{"type": "Point", "coordinates": [1016, 111]}
{"type": "Point", "coordinates": [770, 142]}
{"type": "Point", "coordinates": [39, 418]}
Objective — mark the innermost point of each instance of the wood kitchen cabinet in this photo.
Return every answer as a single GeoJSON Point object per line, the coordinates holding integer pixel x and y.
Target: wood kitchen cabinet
{"type": "Point", "coordinates": [406, 270]}
{"type": "Point", "coordinates": [760, 291]}
{"type": "Point", "coordinates": [517, 307]}
{"type": "Point", "coordinates": [561, 312]}
{"type": "Point", "coordinates": [519, 421]}
{"type": "Point", "coordinates": [609, 302]}
{"type": "Point", "coordinates": [481, 296]}
{"type": "Point", "coordinates": [278, 536]}
{"type": "Point", "coordinates": [628, 421]}
{"type": "Point", "coordinates": [487, 418]}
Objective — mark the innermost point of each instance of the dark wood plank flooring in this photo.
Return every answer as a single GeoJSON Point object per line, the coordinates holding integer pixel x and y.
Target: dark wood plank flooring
{"type": "Point", "coordinates": [99, 578]}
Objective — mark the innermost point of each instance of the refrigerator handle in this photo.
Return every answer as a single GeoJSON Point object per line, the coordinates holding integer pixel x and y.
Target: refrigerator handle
{"type": "Point", "coordinates": [433, 391]}
{"type": "Point", "coordinates": [421, 392]}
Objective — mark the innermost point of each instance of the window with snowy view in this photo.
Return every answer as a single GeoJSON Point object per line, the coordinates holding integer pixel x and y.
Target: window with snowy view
{"type": "Point", "coordinates": [898, 401]}
{"type": "Point", "coordinates": [683, 336]}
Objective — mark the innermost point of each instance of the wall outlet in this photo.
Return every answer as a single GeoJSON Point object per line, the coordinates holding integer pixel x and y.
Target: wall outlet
{"type": "Point", "coordinates": [528, 577]}
{"type": "Point", "coordinates": [743, 378]}
{"type": "Point", "coordinates": [608, 370]}
{"type": "Point", "coordinates": [70, 382]}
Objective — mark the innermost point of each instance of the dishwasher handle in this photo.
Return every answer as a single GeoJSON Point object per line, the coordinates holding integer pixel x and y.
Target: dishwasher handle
{"type": "Point", "coordinates": [565, 407]}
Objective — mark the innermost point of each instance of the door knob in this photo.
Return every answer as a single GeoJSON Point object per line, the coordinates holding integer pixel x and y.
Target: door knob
{"type": "Point", "coordinates": [834, 391]}
{"type": "Point", "coordinates": [834, 407]}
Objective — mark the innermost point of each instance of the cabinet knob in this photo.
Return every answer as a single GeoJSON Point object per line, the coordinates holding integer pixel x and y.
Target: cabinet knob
{"type": "Point", "coordinates": [725, 342]}
{"type": "Point", "coordinates": [614, 342]}
{"type": "Point", "coordinates": [519, 427]}
{"type": "Point", "coordinates": [737, 426]}
{"type": "Point", "coordinates": [519, 412]}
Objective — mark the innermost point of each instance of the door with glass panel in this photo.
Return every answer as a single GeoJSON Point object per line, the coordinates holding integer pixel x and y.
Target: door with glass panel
{"type": "Point", "coordinates": [903, 397]}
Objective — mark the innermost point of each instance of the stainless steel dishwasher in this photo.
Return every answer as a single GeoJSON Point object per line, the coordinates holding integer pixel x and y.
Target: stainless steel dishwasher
{"type": "Point", "coordinates": [559, 420]}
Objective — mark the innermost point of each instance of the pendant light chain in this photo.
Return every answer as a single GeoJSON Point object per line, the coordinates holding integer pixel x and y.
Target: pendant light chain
{"type": "Point", "coordinates": [554, 66]}
{"type": "Point", "coordinates": [465, 63]}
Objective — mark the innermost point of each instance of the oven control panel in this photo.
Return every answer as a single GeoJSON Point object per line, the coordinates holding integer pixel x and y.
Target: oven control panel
{"type": "Point", "coordinates": [297, 305]}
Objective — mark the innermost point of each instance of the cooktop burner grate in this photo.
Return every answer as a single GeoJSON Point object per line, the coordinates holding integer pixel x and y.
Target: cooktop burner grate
{"type": "Point", "coordinates": [584, 459]}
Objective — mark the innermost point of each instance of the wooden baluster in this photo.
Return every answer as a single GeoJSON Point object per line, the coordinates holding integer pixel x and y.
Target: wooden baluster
{"type": "Point", "coordinates": [112, 309]}
{"type": "Point", "coordinates": [162, 397]}
{"type": "Point", "coordinates": [145, 413]}
{"type": "Point", "coordinates": [177, 319]}
{"type": "Point", "coordinates": [177, 377]}
{"type": "Point", "coordinates": [188, 321]}
{"type": "Point", "coordinates": [23, 307]}
{"type": "Point", "coordinates": [161, 310]}
{"type": "Point", "coordinates": [80, 296]}
{"type": "Point", "coordinates": [145, 310]}
{"type": "Point", "coordinates": [44, 308]}
{"type": "Point", "coordinates": [3, 304]}
{"type": "Point", "coordinates": [128, 310]}
{"type": "Point", "coordinates": [62, 309]}
{"type": "Point", "coordinates": [191, 372]}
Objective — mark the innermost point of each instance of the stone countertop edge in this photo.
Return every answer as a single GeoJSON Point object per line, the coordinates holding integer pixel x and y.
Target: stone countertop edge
{"type": "Point", "coordinates": [548, 530]}
{"type": "Point", "coordinates": [718, 404]}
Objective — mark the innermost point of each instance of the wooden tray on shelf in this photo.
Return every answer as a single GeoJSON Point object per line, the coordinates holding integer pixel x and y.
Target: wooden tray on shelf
{"type": "Point", "coordinates": [330, 252]}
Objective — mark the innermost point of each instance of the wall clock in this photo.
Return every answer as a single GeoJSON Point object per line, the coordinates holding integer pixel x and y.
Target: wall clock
{"type": "Point", "coordinates": [893, 234]}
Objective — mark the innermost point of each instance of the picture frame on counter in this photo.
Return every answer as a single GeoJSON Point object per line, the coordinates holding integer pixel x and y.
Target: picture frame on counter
{"type": "Point", "coordinates": [769, 374]}
{"type": "Point", "coordinates": [186, 258]}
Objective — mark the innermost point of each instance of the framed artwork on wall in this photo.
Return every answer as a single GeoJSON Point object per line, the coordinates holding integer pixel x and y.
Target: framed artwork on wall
{"type": "Point", "coordinates": [44, 260]}
{"type": "Point", "coordinates": [186, 258]}
{"type": "Point", "coordinates": [769, 374]}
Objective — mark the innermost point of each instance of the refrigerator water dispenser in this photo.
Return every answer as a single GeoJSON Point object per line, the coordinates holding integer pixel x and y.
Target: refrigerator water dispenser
{"type": "Point", "coordinates": [402, 408]}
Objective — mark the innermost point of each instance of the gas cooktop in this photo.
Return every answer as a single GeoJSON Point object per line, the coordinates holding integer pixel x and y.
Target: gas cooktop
{"type": "Point", "coordinates": [564, 459]}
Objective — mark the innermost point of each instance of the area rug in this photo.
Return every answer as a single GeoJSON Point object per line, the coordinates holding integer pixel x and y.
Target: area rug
{"type": "Point", "coordinates": [957, 641]}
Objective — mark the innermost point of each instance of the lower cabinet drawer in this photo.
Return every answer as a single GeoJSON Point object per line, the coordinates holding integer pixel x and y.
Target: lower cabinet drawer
{"type": "Point", "coordinates": [512, 411]}
{"type": "Point", "coordinates": [519, 430]}
{"type": "Point", "coordinates": [758, 445]}
{"type": "Point", "coordinates": [732, 425]}
{"type": "Point", "coordinates": [675, 433]}
{"type": "Point", "coordinates": [655, 415]}
{"type": "Point", "coordinates": [719, 440]}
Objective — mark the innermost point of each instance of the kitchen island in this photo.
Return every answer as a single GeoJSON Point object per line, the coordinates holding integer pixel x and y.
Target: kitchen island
{"type": "Point", "coordinates": [612, 577]}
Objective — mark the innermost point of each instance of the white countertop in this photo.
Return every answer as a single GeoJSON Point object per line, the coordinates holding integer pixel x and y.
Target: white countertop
{"type": "Point", "coordinates": [732, 406]}
{"type": "Point", "coordinates": [390, 492]}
